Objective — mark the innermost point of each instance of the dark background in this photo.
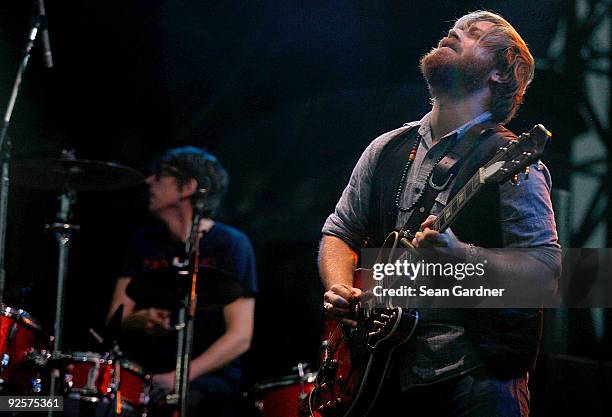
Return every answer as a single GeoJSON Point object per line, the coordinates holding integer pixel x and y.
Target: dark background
{"type": "Point", "coordinates": [286, 94]}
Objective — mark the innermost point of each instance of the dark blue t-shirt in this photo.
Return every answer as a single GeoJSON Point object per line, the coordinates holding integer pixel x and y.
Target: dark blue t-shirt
{"type": "Point", "coordinates": [223, 247]}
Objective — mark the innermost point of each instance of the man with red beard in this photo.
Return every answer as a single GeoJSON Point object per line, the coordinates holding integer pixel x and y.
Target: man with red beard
{"type": "Point", "coordinates": [465, 362]}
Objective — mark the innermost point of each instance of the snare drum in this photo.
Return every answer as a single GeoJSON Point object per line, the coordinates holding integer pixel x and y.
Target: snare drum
{"type": "Point", "coordinates": [90, 377]}
{"type": "Point", "coordinates": [280, 397]}
{"type": "Point", "coordinates": [22, 344]}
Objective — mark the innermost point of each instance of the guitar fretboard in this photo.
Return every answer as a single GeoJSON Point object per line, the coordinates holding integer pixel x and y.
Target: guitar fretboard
{"type": "Point", "coordinates": [460, 200]}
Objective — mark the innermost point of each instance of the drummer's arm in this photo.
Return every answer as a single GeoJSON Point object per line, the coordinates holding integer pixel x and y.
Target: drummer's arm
{"type": "Point", "coordinates": [153, 321]}
{"type": "Point", "coordinates": [121, 297]}
{"type": "Point", "coordinates": [239, 317]}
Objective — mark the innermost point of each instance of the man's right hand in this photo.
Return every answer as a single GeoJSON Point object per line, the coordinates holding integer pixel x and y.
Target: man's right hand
{"type": "Point", "coordinates": [153, 321]}
{"type": "Point", "coordinates": [338, 299]}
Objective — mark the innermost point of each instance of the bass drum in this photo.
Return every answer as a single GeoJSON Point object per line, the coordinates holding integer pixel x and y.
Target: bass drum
{"type": "Point", "coordinates": [280, 397]}
{"type": "Point", "coordinates": [23, 350]}
{"type": "Point", "coordinates": [98, 386]}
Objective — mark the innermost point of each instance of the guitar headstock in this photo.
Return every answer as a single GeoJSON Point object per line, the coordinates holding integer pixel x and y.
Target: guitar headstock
{"type": "Point", "coordinates": [516, 156]}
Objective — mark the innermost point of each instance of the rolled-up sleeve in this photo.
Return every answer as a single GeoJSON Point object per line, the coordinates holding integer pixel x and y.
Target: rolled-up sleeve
{"type": "Point", "coordinates": [527, 218]}
{"type": "Point", "coordinates": [526, 212]}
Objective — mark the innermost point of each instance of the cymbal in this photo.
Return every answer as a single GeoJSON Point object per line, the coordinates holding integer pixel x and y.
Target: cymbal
{"type": "Point", "coordinates": [77, 174]}
{"type": "Point", "coordinates": [166, 288]}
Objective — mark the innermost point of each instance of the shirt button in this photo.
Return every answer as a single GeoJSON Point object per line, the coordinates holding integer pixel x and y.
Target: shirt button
{"type": "Point", "coordinates": [422, 209]}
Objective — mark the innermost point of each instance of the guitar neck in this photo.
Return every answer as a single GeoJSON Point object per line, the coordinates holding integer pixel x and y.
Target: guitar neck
{"type": "Point", "coordinates": [457, 203]}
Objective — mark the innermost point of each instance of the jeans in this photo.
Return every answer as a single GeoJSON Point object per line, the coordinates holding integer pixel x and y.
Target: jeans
{"type": "Point", "coordinates": [209, 395]}
{"type": "Point", "coordinates": [475, 394]}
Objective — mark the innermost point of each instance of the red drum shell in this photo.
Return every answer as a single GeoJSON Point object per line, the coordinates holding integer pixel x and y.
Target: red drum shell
{"type": "Point", "coordinates": [280, 397]}
{"type": "Point", "coordinates": [20, 335]}
{"type": "Point", "coordinates": [88, 374]}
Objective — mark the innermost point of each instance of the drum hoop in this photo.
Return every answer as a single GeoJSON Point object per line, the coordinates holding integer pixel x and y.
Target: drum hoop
{"type": "Point", "coordinates": [133, 367]}
{"type": "Point", "coordinates": [83, 357]}
{"type": "Point", "coordinates": [96, 358]}
{"type": "Point", "coordinates": [95, 397]}
{"type": "Point", "coordinates": [19, 315]}
{"type": "Point", "coordinates": [284, 381]}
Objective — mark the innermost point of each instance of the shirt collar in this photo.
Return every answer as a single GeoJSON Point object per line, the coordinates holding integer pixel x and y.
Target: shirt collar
{"type": "Point", "coordinates": [425, 126]}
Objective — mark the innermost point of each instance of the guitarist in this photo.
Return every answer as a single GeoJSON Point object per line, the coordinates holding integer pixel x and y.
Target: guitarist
{"type": "Point", "coordinates": [466, 362]}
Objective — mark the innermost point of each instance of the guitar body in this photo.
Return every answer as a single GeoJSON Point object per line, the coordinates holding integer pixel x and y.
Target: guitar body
{"type": "Point", "coordinates": [356, 360]}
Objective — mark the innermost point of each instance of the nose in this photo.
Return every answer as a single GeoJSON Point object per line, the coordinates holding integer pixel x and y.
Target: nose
{"type": "Point", "coordinates": [453, 33]}
{"type": "Point", "coordinates": [149, 180]}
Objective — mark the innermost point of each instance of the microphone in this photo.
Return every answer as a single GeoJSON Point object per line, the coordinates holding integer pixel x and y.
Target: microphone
{"type": "Point", "coordinates": [199, 197]}
{"type": "Point", "coordinates": [42, 15]}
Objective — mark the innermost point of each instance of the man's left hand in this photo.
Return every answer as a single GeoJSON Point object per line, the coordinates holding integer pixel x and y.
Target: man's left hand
{"type": "Point", "coordinates": [428, 238]}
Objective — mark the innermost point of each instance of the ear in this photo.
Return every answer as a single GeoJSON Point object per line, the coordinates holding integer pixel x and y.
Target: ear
{"type": "Point", "coordinates": [189, 188]}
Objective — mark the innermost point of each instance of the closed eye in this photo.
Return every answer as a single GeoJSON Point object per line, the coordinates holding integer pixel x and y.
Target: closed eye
{"type": "Point", "coordinates": [475, 33]}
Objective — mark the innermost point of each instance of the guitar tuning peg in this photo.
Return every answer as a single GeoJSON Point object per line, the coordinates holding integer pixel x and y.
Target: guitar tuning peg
{"type": "Point", "coordinates": [374, 333]}
{"type": "Point", "coordinates": [515, 180]}
{"type": "Point", "coordinates": [527, 173]}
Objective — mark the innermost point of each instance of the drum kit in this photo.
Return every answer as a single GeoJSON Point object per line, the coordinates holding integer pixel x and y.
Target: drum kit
{"type": "Point", "coordinates": [32, 360]}
{"type": "Point", "coordinates": [95, 384]}
{"type": "Point", "coordinates": [280, 397]}
{"type": "Point", "coordinates": [106, 384]}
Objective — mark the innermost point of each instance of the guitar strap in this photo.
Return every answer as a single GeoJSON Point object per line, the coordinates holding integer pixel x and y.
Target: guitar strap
{"type": "Point", "coordinates": [444, 172]}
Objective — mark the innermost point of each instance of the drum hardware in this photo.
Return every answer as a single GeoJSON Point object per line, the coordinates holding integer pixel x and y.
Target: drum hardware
{"type": "Point", "coordinates": [63, 233]}
{"type": "Point", "coordinates": [111, 380]}
{"type": "Point", "coordinates": [69, 175]}
{"type": "Point", "coordinates": [6, 358]}
{"type": "Point", "coordinates": [279, 397]}
{"type": "Point", "coordinates": [106, 380]}
{"type": "Point", "coordinates": [92, 378]}
{"type": "Point", "coordinates": [23, 352]}
{"type": "Point", "coordinates": [186, 313]}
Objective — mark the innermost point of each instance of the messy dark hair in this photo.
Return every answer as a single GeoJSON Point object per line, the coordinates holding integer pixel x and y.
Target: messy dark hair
{"type": "Point", "coordinates": [190, 162]}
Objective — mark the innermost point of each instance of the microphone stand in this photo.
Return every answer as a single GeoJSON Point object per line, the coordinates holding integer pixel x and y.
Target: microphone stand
{"type": "Point", "coordinates": [5, 144]}
{"type": "Point", "coordinates": [187, 311]}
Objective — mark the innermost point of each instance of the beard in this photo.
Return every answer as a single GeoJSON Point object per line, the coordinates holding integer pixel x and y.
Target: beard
{"type": "Point", "coordinates": [448, 73]}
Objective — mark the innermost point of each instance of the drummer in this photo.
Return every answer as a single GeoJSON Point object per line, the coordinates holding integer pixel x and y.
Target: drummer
{"type": "Point", "coordinates": [221, 334]}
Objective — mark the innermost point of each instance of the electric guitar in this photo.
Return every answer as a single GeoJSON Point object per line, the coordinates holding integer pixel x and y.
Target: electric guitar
{"type": "Point", "coordinates": [355, 361]}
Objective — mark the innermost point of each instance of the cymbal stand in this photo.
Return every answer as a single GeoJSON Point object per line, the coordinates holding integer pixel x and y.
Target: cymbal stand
{"type": "Point", "coordinates": [187, 311]}
{"type": "Point", "coordinates": [63, 235]}
{"type": "Point", "coordinates": [116, 355]}
{"type": "Point", "coordinates": [5, 144]}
